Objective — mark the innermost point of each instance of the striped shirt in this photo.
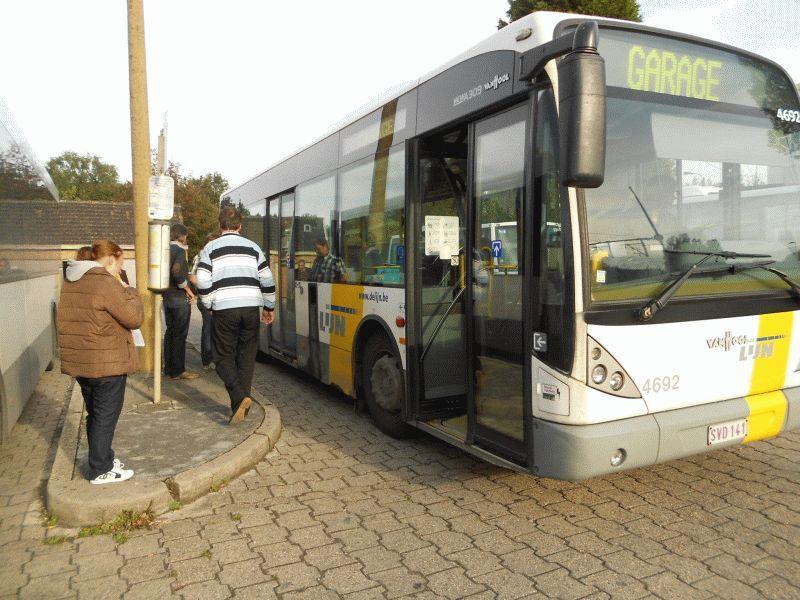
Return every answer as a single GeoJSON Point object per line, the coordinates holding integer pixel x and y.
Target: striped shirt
{"type": "Point", "coordinates": [232, 272]}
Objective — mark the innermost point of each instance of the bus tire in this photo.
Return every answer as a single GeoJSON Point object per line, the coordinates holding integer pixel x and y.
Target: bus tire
{"type": "Point", "coordinates": [383, 384]}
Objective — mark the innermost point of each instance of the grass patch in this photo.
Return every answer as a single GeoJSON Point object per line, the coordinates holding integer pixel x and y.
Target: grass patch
{"type": "Point", "coordinates": [236, 517]}
{"type": "Point", "coordinates": [55, 539]}
{"type": "Point", "coordinates": [206, 553]}
{"type": "Point", "coordinates": [52, 520]}
{"type": "Point", "coordinates": [175, 505]}
{"type": "Point", "coordinates": [120, 537]}
{"type": "Point", "coordinates": [217, 486]}
{"type": "Point", "coordinates": [125, 521]}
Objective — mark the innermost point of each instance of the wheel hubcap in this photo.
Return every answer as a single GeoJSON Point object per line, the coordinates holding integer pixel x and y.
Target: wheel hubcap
{"type": "Point", "coordinates": [386, 383]}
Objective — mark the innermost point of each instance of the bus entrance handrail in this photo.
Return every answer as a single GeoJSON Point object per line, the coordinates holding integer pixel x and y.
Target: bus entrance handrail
{"type": "Point", "coordinates": [440, 323]}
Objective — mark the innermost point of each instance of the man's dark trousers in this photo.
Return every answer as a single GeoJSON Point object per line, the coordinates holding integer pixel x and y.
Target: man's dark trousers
{"type": "Point", "coordinates": [176, 314]}
{"type": "Point", "coordinates": [235, 342]}
{"type": "Point", "coordinates": [103, 397]}
{"type": "Point", "coordinates": [206, 352]}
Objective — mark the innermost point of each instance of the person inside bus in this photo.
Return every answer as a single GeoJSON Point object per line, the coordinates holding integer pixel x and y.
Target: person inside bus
{"type": "Point", "coordinates": [301, 272]}
{"type": "Point", "coordinates": [96, 313]}
{"type": "Point", "coordinates": [327, 268]}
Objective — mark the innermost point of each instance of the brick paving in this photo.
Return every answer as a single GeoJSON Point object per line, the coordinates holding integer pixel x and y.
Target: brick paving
{"type": "Point", "coordinates": [339, 510]}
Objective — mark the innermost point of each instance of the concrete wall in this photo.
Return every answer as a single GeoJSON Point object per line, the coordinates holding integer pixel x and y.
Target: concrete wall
{"type": "Point", "coordinates": [27, 331]}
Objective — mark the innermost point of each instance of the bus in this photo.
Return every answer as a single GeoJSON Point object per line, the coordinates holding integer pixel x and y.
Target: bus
{"type": "Point", "coordinates": [571, 250]}
{"type": "Point", "coordinates": [30, 271]}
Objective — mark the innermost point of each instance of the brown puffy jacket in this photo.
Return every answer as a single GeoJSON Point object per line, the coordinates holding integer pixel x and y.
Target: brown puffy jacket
{"type": "Point", "coordinates": [95, 316]}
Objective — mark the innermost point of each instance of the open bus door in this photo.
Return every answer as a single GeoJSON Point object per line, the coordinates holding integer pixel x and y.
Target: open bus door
{"type": "Point", "coordinates": [467, 365]}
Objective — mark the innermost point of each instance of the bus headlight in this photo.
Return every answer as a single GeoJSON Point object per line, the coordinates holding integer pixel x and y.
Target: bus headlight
{"type": "Point", "coordinates": [599, 374]}
{"type": "Point", "coordinates": [616, 381]}
{"type": "Point", "coordinates": [605, 373]}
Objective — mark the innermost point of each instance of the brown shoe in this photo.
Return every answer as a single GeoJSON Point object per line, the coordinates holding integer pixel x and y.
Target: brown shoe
{"type": "Point", "coordinates": [241, 411]}
{"type": "Point", "coordinates": [188, 375]}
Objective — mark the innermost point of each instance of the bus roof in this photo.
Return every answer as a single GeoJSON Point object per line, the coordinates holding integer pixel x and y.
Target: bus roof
{"type": "Point", "coordinates": [541, 25]}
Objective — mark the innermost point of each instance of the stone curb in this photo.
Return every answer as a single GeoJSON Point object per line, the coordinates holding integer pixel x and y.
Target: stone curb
{"type": "Point", "coordinates": [79, 503]}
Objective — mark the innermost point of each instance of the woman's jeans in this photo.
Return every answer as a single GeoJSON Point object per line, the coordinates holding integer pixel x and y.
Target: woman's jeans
{"type": "Point", "coordinates": [103, 397]}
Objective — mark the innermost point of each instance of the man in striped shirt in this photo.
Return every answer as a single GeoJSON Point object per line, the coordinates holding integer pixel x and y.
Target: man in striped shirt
{"type": "Point", "coordinates": [235, 283]}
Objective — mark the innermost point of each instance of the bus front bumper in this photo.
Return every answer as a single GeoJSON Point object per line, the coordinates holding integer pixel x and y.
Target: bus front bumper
{"type": "Point", "coordinates": [575, 452]}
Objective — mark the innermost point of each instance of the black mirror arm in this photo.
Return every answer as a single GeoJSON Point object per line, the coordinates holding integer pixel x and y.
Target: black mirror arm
{"type": "Point", "coordinates": [533, 61]}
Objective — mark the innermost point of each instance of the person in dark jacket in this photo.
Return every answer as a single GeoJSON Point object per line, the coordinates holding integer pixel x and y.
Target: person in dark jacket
{"type": "Point", "coordinates": [96, 314]}
{"type": "Point", "coordinates": [206, 352]}
{"type": "Point", "coordinates": [177, 307]}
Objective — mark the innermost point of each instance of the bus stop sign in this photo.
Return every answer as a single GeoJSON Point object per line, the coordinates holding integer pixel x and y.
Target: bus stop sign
{"type": "Point", "coordinates": [497, 248]}
{"type": "Point", "coordinates": [161, 198]}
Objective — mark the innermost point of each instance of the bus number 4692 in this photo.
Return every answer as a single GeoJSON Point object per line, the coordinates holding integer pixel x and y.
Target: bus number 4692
{"type": "Point", "coordinates": [661, 384]}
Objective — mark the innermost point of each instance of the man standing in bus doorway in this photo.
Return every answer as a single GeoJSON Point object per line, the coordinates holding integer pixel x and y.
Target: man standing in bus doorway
{"type": "Point", "coordinates": [177, 307]}
{"type": "Point", "coordinates": [327, 268]}
{"type": "Point", "coordinates": [234, 281]}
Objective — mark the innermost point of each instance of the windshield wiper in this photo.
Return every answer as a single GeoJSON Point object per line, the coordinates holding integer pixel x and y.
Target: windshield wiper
{"type": "Point", "coordinates": [653, 306]}
{"type": "Point", "coordinates": [720, 253]}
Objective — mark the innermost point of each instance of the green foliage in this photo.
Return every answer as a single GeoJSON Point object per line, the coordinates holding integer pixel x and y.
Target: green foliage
{"type": "Point", "coordinates": [120, 537]}
{"type": "Point", "coordinates": [198, 197]}
{"type": "Point", "coordinates": [206, 553]}
{"type": "Point", "coordinates": [617, 9]}
{"type": "Point", "coordinates": [18, 177]}
{"type": "Point", "coordinates": [127, 520]}
{"type": "Point", "coordinates": [51, 521]}
{"type": "Point", "coordinates": [175, 505]}
{"type": "Point", "coordinates": [55, 539]}
{"type": "Point", "coordinates": [86, 177]}
{"type": "Point", "coordinates": [236, 517]}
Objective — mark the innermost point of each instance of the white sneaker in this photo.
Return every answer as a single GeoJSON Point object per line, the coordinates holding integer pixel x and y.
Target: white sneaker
{"type": "Point", "coordinates": [113, 476]}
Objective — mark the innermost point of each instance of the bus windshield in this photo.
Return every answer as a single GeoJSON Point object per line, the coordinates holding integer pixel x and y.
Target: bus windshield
{"type": "Point", "coordinates": [703, 155]}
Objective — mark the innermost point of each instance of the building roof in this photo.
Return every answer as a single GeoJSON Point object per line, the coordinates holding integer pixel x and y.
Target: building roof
{"type": "Point", "coordinates": [47, 223]}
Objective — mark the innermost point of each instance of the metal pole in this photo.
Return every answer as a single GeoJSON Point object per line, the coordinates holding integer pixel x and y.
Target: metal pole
{"type": "Point", "coordinates": [140, 154]}
{"type": "Point", "coordinates": [157, 298]}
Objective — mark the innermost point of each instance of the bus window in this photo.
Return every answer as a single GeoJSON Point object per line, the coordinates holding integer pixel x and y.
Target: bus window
{"type": "Point", "coordinates": [315, 213]}
{"type": "Point", "coordinates": [371, 207]}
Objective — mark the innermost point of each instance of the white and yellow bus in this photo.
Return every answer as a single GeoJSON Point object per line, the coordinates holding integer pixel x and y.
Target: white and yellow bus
{"type": "Point", "coordinates": [573, 249]}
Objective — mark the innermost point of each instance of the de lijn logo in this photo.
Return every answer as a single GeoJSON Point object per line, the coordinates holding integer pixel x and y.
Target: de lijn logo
{"type": "Point", "coordinates": [749, 348]}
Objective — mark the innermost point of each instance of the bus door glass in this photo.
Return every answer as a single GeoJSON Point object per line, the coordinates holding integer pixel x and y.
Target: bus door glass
{"type": "Point", "coordinates": [273, 256]}
{"type": "Point", "coordinates": [443, 173]}
{"type": "Point", "coordinates": [497, 279]}
{"type": "Point", "coordinates": [287, 274]}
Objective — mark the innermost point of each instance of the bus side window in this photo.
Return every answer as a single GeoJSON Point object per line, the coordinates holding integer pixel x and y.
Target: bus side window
{"type": "Point", "coordinates": [371, 208]}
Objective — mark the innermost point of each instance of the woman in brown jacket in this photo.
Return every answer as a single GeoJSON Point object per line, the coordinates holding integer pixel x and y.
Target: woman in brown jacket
{"type": "Point", "coordinates": [95, 316]}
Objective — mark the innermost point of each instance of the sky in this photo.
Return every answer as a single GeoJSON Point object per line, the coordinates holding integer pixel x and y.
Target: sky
{"type": "Point", "coordinates": [244, 83]}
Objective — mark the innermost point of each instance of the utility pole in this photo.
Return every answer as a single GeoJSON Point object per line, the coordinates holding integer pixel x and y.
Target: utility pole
{"type": "Point", "coordinates": [140, 152]}
{"type": "Point", "coordinates": [157, 298]}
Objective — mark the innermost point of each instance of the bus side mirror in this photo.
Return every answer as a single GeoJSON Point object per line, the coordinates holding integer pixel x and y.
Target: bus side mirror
{"type": "Point", "coordinates": [582, 111]}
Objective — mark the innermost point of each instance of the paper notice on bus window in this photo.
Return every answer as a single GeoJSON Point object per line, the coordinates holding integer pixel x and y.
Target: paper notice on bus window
{"type": "Point", "coordinates": [441, 235]}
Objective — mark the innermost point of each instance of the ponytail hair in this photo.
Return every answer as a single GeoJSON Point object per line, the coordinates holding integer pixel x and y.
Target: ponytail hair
{"type": "Point", "coordinates": [84, 253]}
{"type": "Point", "coordinates": [103, 248]}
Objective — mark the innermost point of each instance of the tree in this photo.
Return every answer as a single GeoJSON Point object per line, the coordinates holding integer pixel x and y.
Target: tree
{"type": "Point", "coordinates": [199, 201]}
{"type": "Point", "coordinates": [617, 9]}
{"type": "Point", "coordinates": [86, 177]}
{"type": "Point", "coordinates": [18, 177]}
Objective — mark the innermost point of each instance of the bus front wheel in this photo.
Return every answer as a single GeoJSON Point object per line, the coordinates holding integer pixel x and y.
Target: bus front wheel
{"type": "Point", "coordinates": [383, 385]}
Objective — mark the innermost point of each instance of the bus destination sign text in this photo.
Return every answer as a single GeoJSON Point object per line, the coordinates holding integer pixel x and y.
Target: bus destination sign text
{"type": "Point", "coordinates": [665, 72]}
